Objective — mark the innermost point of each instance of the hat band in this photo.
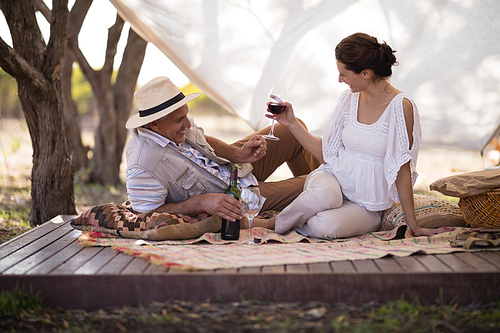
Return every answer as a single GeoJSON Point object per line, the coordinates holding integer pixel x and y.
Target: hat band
{"type": "Point", "coordinates": [162, 106]}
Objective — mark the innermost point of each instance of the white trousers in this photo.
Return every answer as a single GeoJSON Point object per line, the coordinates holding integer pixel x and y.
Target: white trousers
{"type": "Point", "coordinates": [321, 211]}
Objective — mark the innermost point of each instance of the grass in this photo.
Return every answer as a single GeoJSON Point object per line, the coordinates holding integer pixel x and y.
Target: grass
{"type": "Point", "coordinates": [17, 301]}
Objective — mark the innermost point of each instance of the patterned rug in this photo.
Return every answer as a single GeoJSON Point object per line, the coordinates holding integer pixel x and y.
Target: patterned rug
{"type": "Point", "coordinates": [210, 252]}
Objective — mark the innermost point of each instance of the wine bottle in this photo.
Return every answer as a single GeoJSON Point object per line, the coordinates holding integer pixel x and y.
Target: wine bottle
{"type": "Point", "coordinates": [231, 230]}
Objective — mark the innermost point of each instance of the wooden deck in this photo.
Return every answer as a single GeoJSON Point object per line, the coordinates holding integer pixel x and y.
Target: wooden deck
{"type": "Point", "coordinates": [49, 259]}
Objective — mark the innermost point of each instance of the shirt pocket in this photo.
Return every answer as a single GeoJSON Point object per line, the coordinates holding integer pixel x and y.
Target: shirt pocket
{"type": "Point", "coordinates": [188, 182]}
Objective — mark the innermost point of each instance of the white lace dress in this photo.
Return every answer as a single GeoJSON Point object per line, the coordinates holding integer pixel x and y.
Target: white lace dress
{"type": "Point", "coordinates": [365, 159]}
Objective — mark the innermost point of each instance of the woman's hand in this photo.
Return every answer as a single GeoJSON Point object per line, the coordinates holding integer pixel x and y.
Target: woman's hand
{"type": "Point", "coordinates": [286, 117]}
{"type": "Point", "coordinates": [418, 231]}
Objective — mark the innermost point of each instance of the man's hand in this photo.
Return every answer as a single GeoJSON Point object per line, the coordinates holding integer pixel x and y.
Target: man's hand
{"type": "Point", "coordinates": [254, 149]}
{"type": "Point", "coordinates": [222, 205]}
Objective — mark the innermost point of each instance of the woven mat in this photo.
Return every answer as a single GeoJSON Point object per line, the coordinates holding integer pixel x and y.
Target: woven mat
{"type": "Point", "coordinates": [210, 252]}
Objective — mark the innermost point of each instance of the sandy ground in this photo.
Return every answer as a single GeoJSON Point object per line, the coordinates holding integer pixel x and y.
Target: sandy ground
{"type": "Point", "coordinates": [16, 151]}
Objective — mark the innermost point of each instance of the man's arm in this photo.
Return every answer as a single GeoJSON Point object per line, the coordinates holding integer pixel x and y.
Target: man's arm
{"type": "Point", "coordinates": [219, 204]}
{"type": "Point", "coordinates": [146, 193]}
{"type": "Point", "coordinates": [253, 150]}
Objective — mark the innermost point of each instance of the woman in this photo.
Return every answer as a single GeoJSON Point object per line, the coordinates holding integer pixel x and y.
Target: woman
{"type": "Point", "coordinates": [369, 150]}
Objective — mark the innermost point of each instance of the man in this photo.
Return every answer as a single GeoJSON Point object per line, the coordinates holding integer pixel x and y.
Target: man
{"type": "Point", "coordinates": [173, 166]}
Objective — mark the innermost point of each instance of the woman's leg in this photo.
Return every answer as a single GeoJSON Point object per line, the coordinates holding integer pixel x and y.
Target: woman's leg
{"type": "Point", "coordinates": [321, 192]}
{"type": "Point", "coordinates": [347, 221]}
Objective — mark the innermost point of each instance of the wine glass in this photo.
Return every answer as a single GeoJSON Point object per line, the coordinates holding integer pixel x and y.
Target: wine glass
{"type": "Point", "coordinates": [276, 105]}
{"type": "Point", "coordinates": [250, 204]}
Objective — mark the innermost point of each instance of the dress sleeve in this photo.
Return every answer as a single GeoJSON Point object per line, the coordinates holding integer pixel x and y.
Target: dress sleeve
{"type": "Point", "coordinates": [398, 146]}
{"type": "Point", "coordinates": [332, 137]}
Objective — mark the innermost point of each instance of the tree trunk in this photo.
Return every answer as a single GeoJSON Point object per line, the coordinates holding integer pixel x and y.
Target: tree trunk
{"type": "Point", "coordinates": [36, 67]}
{"type": "Point", "coordinates": [114, 102]}
{"type": "Point", "coordinates": [125, 85]}
{"type": "Point", "coordinates": [77, 15]}
{"type": "Point", "coordinates": [79, 152]}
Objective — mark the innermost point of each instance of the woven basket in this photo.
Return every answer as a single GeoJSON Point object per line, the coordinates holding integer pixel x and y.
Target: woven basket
{"type": "Point", "coordinates": [482, 210]}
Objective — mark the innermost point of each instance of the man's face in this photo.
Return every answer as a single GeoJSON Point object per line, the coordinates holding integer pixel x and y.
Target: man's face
{"type": "Point", "coordinates": [173, 126]}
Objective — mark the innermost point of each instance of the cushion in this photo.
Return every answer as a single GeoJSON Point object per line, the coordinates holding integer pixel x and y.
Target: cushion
{"type": "Point", "coordinates": [121, 220]}
{"type": "Point", "coordinates": [431, 213]}
{"type": "Point", "coordinates": [467, 184]}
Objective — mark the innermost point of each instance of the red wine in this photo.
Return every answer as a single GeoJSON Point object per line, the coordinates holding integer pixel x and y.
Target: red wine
{"type": "Point", "coordinates": [276, 109]}
{"type": "Point", "coordinates": [231, 230]}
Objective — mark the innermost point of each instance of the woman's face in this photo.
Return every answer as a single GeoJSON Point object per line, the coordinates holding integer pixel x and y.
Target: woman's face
{"type": "Point", "coordinates": [355, 81]}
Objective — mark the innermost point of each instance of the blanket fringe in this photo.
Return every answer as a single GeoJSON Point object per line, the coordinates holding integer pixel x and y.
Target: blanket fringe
{"type": "Point", "coordinates": [156, 260]}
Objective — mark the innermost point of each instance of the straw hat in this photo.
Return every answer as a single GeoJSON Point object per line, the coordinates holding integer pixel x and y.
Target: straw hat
{"type": "Point", "coordinates": [156, 99]}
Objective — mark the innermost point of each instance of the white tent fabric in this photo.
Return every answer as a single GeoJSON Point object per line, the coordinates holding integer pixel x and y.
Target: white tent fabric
{"type": "Point", "coordinates": [233, 50]}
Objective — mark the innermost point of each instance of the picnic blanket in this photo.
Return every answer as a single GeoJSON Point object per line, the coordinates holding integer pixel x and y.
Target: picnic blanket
{"type": "Point", "coordinates": [209, 252]}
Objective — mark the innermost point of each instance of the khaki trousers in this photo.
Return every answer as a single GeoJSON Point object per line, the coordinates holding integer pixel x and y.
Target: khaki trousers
{"type": "Point", "coordinates": [281, 193]}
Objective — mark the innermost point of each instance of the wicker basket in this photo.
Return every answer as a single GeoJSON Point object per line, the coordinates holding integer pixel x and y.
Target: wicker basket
{"type": "Point", "coordinates": [482, 210]}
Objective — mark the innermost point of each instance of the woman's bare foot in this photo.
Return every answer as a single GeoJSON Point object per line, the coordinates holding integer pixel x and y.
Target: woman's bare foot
{"type": "Point", "coordinates": [264, 223]}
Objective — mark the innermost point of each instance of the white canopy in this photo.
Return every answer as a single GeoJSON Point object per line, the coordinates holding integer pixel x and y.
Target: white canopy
{"type": "Point", "coordinates": [448, 53]}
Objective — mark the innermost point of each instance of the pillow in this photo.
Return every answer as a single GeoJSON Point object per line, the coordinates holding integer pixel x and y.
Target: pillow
{"type": "Point", "coordinates": [121, 220]}
{"type": "Point", "coordinates": [467, 184]}
{"type": "Point", "coordinates": [431, 213]}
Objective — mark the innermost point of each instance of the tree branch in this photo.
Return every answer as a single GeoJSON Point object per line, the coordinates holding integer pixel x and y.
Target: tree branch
{"type": "Point", "coordinates": [42, 8]}
{"type": "Point", "coordinates": [57, 41]}
{"type": "Point", "coordinates": [112, 45]}
{"type": "Point", "coordinates": [17, 67]}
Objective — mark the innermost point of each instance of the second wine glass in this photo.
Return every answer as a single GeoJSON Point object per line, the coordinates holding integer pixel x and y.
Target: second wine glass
{"type": "Point", "coordinates": [250, 204]}
{"type": "Point", "coordinates": [276, 105]}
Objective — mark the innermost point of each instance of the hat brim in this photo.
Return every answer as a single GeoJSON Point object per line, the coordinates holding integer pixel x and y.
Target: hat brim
{"type": "Point", "coordinates": [137, 121]}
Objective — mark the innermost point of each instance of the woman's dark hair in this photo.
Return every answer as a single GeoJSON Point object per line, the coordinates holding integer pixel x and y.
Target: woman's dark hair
{"type": "Point", "coordinates": [361, 51]}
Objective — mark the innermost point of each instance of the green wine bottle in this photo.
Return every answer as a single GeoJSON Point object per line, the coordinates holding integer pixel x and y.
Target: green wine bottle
{"type": "Point", "coordinates": [231, 230]}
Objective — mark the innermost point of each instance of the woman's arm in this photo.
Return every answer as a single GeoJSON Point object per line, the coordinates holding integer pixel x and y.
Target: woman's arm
{"type": "Point", "coordinates": [310, 142]}
{"type": "Point", "coordinates": [404, 183]}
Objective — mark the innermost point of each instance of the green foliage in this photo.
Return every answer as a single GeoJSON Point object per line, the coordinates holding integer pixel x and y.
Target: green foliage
{"type": "Point", "coordinates": [81, 92]}
{"type": "Point", "coordinates": [203, 104]}
{"type": "Point", "coordinates": [17, 213]}
{"type": "Point", "coordinates": [9, 102]}
{"type": "Point", "coordinates": [13, 303]}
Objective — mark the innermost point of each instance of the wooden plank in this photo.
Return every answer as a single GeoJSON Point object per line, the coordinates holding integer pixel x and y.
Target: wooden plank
{"type": "Point", "coordinates": [76, 261]}
{"type": "Point", "coordinates": [26, 238]}
{"type": "Point", "coordinates": [365, 266]}
{"type": "Point", "coordinates": [433, 264]}
{"type": "Point", "coordinates": [343, 266]}
{"type": "Point", "coordinates": [57, 259]}
{"type": "Point", "coordinates": [410, 264]}
{"type": "Point", "coordinates": [276, 269]}
{"type": "Point", "coordinates": [493, 257]}
{"type": "Point", "coordinates": [296, 268]}
{"type": "Point", "coordinates": [320, 267]}
{"type": "Point", "coordinates": [250, 270]}
{"type": "Point", "coordinates": [117, 264]}
{"type": "Point", "coordinates": [153, 269]}
{"type": "Point", "coordinates": [94, 264]}
{"type": "Point", "coordinates": [388, 265]}
{"type": "Point", "coordinates": [455, 263]}
{"type": "Point", "coordinates": [477, 262]}
{"type": "Point", "coordinates": [45, 253]}
{"type": "Point", "coordinates": [226, 271]}
{"type": "Point", "coordinates": [34, 246]}
{"type": "Point", "coordinates": [136, 266]}
{"type": "Point", "coordinates": [73, 291]}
